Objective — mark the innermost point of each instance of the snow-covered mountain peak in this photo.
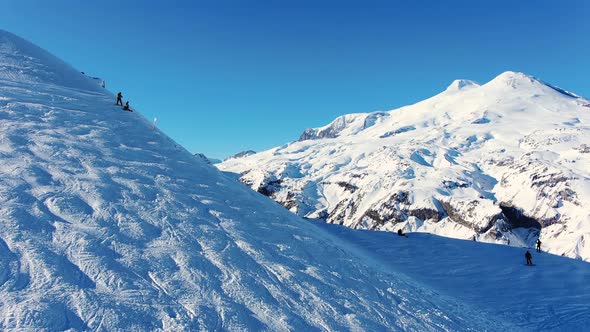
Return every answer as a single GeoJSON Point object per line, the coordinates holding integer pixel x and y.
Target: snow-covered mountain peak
{"type": "Point", "coordinates": [524, 84]}
{"type": "Point", "coordinates": [459, 85]}
{"type": "Point", "coordinates": [509, 76]}
{"type": "Point", "coordinates": [506, 88]}
{"type": "Point", "coordinates": [514, 80]}
{"type": "Point", "coordinates": [476, 162]}
{"type": "Point", "coordinates": [23, 62]}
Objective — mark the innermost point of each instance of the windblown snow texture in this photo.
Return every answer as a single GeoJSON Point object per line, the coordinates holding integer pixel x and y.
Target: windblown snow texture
{"type": "Point", "coordinates": [106, 224]}
{"type": "Point", "coordinates": [504, 162]}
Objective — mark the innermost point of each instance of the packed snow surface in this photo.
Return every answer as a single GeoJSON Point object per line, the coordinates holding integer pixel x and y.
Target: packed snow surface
{"type": "Point", "coordinates": [553, 295]}
{"type": "Point", "coordinates": [503, 162]}
{"type": "Point", "coordinates": [108, 225]}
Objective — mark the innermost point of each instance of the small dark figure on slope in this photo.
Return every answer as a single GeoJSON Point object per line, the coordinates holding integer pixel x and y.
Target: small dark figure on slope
{"type": "Point", "coordinates": [126, 107]}
{"type": "Point", "coordinates": [119, 99]}
{"type": "Point", "coordinates": [529, 258]}
{"type": "Point", "coordinates": [538, 245]}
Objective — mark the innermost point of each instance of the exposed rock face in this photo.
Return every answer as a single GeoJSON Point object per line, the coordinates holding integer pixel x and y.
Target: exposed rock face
{"type": "Point", "coordinates": [344, 125]}
{"type": "Point", "coordinates": [311, 133]}
{"type": "Point", "coordinates": [516, 218]}
{"type": "Point", "coordinates": [270, 188]}
{"type": "Point", "coordinates": [467, 213]}
{"type": "Point", "coordinates": [202, 157]}
{"type": "Point", "coordinates": [397, 209]}
{"type": "Point", "coordinates": [242, 154]}
{"type": "Point", "coordinates": [347, 186]}
{"type": "Point", "coordinates": [503, 162]}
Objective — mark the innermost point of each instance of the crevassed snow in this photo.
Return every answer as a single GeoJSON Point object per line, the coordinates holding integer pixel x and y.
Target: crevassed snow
{"type": "Point", "coordinates": [106, 225]}
{"type": "Point", "coordinates": [504, 162]}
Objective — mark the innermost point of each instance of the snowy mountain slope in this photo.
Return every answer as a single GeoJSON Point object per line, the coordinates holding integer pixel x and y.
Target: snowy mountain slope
{"type": "Point", "coordinates": [554, 295]}
{"type": "Point", "coordinates": [503, 162]}
{"type": "Point", "coordinates": [242, 154]}
{"type": "Point", "coordinates": [106, 225]}
{"type": "Point", "coordinates": [25, 63]}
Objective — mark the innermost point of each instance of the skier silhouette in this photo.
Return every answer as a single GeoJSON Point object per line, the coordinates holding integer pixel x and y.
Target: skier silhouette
{"type": "Point", "coordinates": [126, 107]}
{"type": "Point", "coordinates": [538, 245]}
{"type": "Point", "coordinates": [119, 99]}
{"type": "Point", "coordinates": [529, 258]}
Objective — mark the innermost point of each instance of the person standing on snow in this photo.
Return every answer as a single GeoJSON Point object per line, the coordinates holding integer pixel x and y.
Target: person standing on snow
{"type": "Point", "coordinates": [119, 99]}
{"type": "Point", "coordinates": [529, 258]}
{"type": "Point", "coordinates": [538, 245]}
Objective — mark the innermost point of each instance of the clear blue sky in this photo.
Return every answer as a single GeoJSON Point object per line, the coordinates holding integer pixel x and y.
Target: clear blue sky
{"type": "Point", "coordinates": [225, 76]}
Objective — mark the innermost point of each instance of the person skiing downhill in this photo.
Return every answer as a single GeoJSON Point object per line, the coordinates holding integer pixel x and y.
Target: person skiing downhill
{"type": "Point", "coordinates": [529, 258]}
{"type": "Point", "coordinates": [538, 245]}
{"type": "Point", "coordinates": [119, 99]}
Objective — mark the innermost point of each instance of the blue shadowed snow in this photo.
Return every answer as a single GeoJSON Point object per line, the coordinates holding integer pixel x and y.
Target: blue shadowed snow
{"type": "Point", "coordinates": [552, 295]}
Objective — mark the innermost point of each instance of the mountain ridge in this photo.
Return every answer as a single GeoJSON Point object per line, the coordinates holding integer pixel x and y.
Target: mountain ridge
{"type": "Point", "coordinates": [459, 153]}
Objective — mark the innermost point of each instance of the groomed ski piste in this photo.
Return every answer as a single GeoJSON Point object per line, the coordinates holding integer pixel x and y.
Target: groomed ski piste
{"type": "Point", "coordinates": [108, 225]}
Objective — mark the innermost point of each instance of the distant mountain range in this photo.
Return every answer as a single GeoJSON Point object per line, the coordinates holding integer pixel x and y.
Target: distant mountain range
{"type": "Point", "coordinates": [504, 162]}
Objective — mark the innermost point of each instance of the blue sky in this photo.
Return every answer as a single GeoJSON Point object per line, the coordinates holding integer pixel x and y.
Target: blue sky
{"type": "Point", "coordinates": [226, 76]}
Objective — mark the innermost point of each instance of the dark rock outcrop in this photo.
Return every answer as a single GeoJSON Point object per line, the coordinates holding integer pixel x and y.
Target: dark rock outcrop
{"type": "Point", "coordinates": [516, 218]}
{"type": "Point", "coordinates": [347, 186]}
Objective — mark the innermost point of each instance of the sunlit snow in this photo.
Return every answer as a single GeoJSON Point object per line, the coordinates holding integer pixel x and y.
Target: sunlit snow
{"type": "Point", "coordinates": [106, 224]}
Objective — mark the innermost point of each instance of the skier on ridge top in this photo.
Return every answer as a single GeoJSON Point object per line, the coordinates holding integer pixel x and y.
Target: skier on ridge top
{"type": "Point", "coordinates": [119, 99]}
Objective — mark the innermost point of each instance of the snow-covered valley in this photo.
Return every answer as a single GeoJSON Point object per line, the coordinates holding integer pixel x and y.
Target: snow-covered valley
{"type": "Point", "coordinates": [107, 224]}
{"type": "Point", "coordinates": [505, 162]}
